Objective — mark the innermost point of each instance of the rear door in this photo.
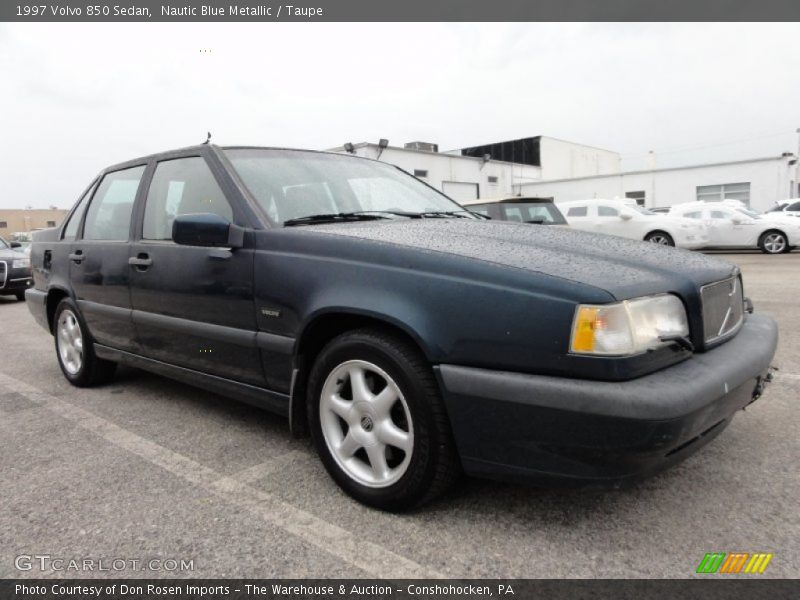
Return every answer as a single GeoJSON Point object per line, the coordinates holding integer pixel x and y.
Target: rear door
{"type": "Point", "coordinates": [193, 306]}
{"type": "Point", "coordinates": [98, 259]}
{"type": "Point", "coordinates": [581, 216]}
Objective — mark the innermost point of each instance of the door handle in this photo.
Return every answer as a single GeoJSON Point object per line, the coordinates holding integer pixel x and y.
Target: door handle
{"type": "Point", "coordinates": [141, 262]}
{"type": "Point", "coordinates": [77, 256]}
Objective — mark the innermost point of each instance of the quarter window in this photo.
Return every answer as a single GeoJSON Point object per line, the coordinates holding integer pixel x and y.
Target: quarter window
{"type": "Point", "coordinates": [577, 211]}
{"type": "Point", "coordinates": [181, 186]}
{"type": "Point", "coordinates": [71, 230]}
{"type": "Point", "coordinates": [109, 214]}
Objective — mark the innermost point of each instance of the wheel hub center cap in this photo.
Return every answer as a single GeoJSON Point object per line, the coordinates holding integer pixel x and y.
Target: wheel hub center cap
{"type": "Point", "coordinates": [366, 423]}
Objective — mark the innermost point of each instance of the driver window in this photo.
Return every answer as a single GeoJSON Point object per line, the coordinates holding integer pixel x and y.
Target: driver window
{"type": "Point", "coordinates": [181, 186]}
{"type": "Point", "coordinates": [720, 214]}
{"type": "Point", "coordinates": [607, 211]}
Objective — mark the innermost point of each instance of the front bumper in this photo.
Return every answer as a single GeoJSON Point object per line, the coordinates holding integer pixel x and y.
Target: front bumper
{"type": "Point", "coordinates": [540, 428]}
{"type": "Point", "coordinates": [16, 280]}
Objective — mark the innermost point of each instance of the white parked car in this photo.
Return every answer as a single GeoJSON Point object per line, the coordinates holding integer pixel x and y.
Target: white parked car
{"type": "Point", "coordinates": [617, 217]}
{"type": "Point", "coordinates": [786, 208]}
{"type": "Point", "coordinates": [731, 226]}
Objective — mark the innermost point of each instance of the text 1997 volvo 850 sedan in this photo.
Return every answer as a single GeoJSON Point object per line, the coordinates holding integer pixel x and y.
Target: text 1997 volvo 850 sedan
{"type": "Point", "coordinates": [413, 339]}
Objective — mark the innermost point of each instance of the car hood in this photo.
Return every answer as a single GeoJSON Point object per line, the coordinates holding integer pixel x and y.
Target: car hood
{"type": "Point", "coordinates": [7, 254]}
{"type": "Point", "coordinates": [624, 268]}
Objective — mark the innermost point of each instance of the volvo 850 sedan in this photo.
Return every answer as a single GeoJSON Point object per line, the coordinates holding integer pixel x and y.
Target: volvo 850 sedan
{"type": "Point", "coordinates": [413, 339]}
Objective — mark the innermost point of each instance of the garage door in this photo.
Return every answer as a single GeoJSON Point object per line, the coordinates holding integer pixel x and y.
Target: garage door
{"type": "Point", "coordinates": [460, 191]}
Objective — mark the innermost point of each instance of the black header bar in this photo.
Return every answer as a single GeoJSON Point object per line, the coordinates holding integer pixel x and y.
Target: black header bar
{"type": "Point", "coordinates": [398, 10]}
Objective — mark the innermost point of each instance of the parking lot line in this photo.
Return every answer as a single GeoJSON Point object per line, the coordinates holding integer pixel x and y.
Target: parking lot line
{"type": "Point", "coordinates": [262, 470]}
{"type": "Point", "coordinates": [373, 559]}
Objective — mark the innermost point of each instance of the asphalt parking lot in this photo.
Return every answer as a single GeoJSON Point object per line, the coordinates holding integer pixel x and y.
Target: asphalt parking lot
{"type": "Point", "coordinates": [149, 468]}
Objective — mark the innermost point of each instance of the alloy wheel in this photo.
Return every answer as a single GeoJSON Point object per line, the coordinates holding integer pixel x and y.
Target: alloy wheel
{"type": "Point", "coordinates": [774, 243]}
{"type": "Point", "coordinates": [366, 423]}
{"type": "Point", "coordinates": [661, 240]}
{"type": "Point", "coordinates": [70, 341]}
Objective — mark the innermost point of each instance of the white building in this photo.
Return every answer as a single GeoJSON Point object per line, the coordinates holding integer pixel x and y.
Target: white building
{"type": "Point", "coordinates": [547, 167]}
{"type": "Point", "coordinates": [493, 170]}
{"type": "Point", "coordinates": [758, 182]}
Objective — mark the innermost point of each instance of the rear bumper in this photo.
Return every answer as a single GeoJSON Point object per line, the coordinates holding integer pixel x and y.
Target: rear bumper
{"type": "Point", "coordinates": [37, 305]}
{"type": "Point", "coordinates": [538, 428]}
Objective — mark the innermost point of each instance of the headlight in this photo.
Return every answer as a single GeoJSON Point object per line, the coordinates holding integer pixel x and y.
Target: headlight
{"type": "Point", "coordinates": [628, 327]}
{"type": "Point", "coordinates": [21, 263]}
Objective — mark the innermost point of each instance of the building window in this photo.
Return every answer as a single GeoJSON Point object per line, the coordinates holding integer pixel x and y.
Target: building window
{"type": "Point", "coordinates": [492, 178]}
{"type": "Point", "coordinates": [51, 223]}
{"type": "Point", "coordinates": [420, 173]}
{"type": "Point", "coordinates": [725, 191]}
{"type": "Point", "coordinates": [3, 224]}
{"type": "Point", "coordinates": [638, 196]}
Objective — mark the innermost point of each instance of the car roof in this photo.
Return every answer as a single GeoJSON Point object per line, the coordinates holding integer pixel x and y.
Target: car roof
{"type": "Point", "coordinates": [200, 148]}
{"type": "Point", "coordinates": [594, 201]}
{"type": "Point", "coordinates": [505, 199]}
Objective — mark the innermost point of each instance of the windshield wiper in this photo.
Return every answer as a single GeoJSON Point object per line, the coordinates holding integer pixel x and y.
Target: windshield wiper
{"type": "Point", "coordinates": [367, 215]}
{"type": "Point", "coordinates": [452, 213]}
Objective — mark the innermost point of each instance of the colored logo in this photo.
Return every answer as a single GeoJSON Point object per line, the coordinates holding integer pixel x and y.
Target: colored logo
{"type": "Point", "coordinates": [734, 562]}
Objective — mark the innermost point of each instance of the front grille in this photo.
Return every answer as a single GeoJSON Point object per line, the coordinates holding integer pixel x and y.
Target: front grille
{"type": "Point", "coordinates": [3, 273]}
{"type": "Point", "coordinates": [723, 309]}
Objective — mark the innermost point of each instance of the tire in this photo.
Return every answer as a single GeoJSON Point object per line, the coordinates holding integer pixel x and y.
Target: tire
{"type": "Point", "coordinates": [773, 242]}
{"type": "Point", "coordinates": [75, 350]}
{"type": "Point", "coordinates": [407, 438]}
{"type": "Point", "coordinates": [661, 238]}
{"type": "Point", "coordinates": [20, 296]}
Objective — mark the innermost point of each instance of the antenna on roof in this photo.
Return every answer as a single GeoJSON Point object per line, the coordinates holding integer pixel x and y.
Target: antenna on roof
{"type": "Point", "coordinates": [208, 138]}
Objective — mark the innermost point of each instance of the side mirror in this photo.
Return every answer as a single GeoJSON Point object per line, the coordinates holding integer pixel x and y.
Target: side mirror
{"type": "Point", "coordinates": [625, 215]}
{"type": "Point", "coordinates": [206, 229]}
{"type": "Point", "coordinates": [15, 245]}
{"type": "Point", "coordinates": [737, 220]}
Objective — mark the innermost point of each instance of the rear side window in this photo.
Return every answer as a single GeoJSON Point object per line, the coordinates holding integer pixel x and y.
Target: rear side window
{"type": "Point", "coordinates": [109, 214]}
{"type": "Point", "coordinates": [607, 211]}
{"type": "Point", "coordinates": [181, 186]}
{"type": "Point", "coordinates": [71, 230]}
{"type": "Point", "coordinates": [577, 211]}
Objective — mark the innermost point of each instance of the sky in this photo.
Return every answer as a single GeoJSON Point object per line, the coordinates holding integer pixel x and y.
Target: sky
{"type": "Point", "coordinates": [75, 98]}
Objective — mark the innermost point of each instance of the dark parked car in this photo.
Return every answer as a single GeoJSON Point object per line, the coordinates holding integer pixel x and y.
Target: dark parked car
{"type": "Point", "coordinates": [411, 338]}
{"type": "Point", "coordinates": [523, 209]}
{"type": "Point", "coordinates": [15, 270]}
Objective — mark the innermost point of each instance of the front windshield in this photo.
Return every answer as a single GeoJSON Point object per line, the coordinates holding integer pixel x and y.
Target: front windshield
{"type": "Point", "coordinates": [642, 209]}
{"type": "Point", "coordinates": [292, 184]}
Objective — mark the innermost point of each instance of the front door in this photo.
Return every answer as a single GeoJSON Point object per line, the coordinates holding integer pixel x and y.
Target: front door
{"type": "Point", "coordinates": [193, 306]}
{"type": "Point", "coordinates": [98, 258]}
{"type": "Point", "coordinates": [722, 231]}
